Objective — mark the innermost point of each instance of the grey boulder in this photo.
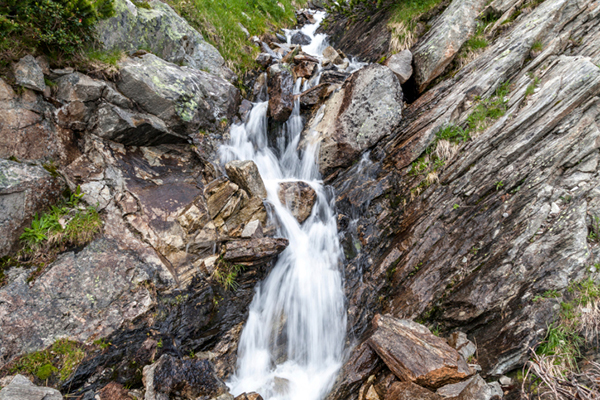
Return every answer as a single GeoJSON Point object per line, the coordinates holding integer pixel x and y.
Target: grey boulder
{"type": "Point", "coordinates": [29, 74]}
{"type": "Point", "coordinates": [401, 65]}
{"type": "Point", "coordinates": [21, 388]}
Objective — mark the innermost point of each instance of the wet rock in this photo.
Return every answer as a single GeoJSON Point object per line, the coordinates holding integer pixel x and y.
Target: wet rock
{"type": "Point", "coordinates": [29, 74]}
{"type": "Point", "coordinates": [414, 354]}
{"type": "Point", "coordinates": [410, 391]}
{"type": "Point", "coordinates": [362, 363]}
{"type": "Point", "coordinates": [162, 31]}
{"type": "Point", "coordinates": [259, 90]}
{"type": "Point", "coordinates": [333, 77]}
{"type": "Point", "coordinates": [131, 128]}
{"type": "Point", "coordinates": [459, 341]}
{"type": "Point", "coordinates": [253, 230]}
{"type": "Point", "coordinates": [28, 130]}
{"type": "Point", "coordinates": [305, 57]}
{"type": "Point", "coordinates": [298, 197]}
{"type": "Point", "coordinates": [189, 379]}
{"type": "Point", "coordinates": [93, 293]}
{"type": "Point", "coordinates": [187, 100]}
{"type": "Point", "coordinates": [367, 108]}
{"type": "Point", "coordinates": [24, 190]}
{"type": "Point", "coordinates": [253, 251]}
{"type": "Point", "coordinates": [264, 59]}
{"type": "Point", "coordinates": [245, 174]}
{"type": "Point", "coordinates": [401, 65]}
{"type": "Point", "coordinates": [441, 44]}
{"type": "Point", "coordinates": [249, 396]}
{"type": "Point", "coordinates": [300, 38]}
{"type": "Point", "coordinates": [280, 87]}
{"type": "Point", "coordinates": [304, 69]}
{"type": "Point", "coordinates": [21, 388]}
{"type": "Point", "coordinates": [317, 94]}
{"type": "Point", "coordinates": [330, 56]}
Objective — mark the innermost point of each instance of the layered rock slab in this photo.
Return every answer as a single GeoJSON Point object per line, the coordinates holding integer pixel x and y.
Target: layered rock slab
{"type": "Point", "coordinates": [414, 354]}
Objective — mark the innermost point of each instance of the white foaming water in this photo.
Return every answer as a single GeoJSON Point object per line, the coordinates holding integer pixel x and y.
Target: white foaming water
{"type": "Point", "coordinates": [292, 345]}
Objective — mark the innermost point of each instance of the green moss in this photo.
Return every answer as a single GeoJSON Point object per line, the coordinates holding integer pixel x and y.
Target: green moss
{"type": "Point", "coordinates": [219, 22]}
{"type": "Point", "coordinates": [60, 360]}
{"type": "Point", "coordinates": [142, 4]}
{"type": "Point", "coordinates": [107, 57]}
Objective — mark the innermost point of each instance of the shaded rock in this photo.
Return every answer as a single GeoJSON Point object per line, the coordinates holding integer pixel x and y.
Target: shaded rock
{"type": "Point", "coordinates": [78, 87]}
{"type": "Point", "coordinates": [259, 90]}
{"type": "Point", "coordinates": [249, 396]}
{"type": "Point", "coordinates": [401, 65]}
{"type": "Point", "coordinates": [253, 251]}
{"type": "Point", "coordinates": [245, 109]}
{"type": "Point", "coordinates": [21, 388]}
{"type": "Point", "coordinates": [187, 100]}
{"type": "Point", "coordinates": [280, 86]}
{"type": "Point", "coordinates": [245, 174]}
{"type": "Point", "coordinates": [264, 59]}
{"type": "Point", "coordinates": [304, 69]}
{"type": "Point", "coordinates": [131, 128]}
{"type": "Point", "coordinates": [478, 389]}
{"type": "Point", "coordinates": [441, 44]}
{"type": "Point", "coordinates": [28, 130]}
{"type": "Point", "coordinates": [253, 230]}
{"type": "Point", "coordinates": [24, 190]}
{"type": "Point", "coordinates": [300, 38]}
{"type": "Point", "coordinates": [332, 76]}
{"type": "Point", "coordinates": [29, 74]}
{"type": "Point", "coordinates": [453, 389]}
{"type": "Point", "coordinates": [162, 31]}
{"type": "Point", "coordinates": [414, 354]}
{"type": "Point", "coordinates": [187, 378]}
{"type": "Point", "coordinates": [298, 197]}
{"type": "Point", "coordinates": [410, 391]}
{"type": "Point", "coordinates": [316, 95]}
{"type": "Point", "coordinates": [367, 108]}
{"type": "Point", "coordinates": [93, 293]}
{"type": "Point", "coordinates": [459, 341]}
{"type": "Point", "coordinates": [330, 56]}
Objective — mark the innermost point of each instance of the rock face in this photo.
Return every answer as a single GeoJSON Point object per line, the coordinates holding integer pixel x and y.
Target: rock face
{"type": "Point", "coordinates": [190, 379]}
{"type": "Point", "coordinates": [401, 65]}
{"type": "Point", "coordinates": [280, 87]}
{"type": "Point", "coordinates": [439, 46]}
{"type": "Point", "coordinates": [21, 388]}
{"type": "Point", "coordinates": [24, 190]}
{"type": "Point", "coordinates": [413, 354]}
{"type": "Point", "coordinates": [298, 197]}
{"type": "Point", "coordinates": [29, 74]}
{"type": "Point", "coordinates": [93, 293]}
{"type": "Point", "coordinates": [245, 174]}
{"type": "Point", "coordinates": [410, 391]}
{"type": "Point", "coordinates": [162, 31]}
{"type": "Point", "coordinates": [366, 109]}
{"type": "Point", "coordinates": [253, 251]}
{"type": "Point", "coordinates": [187, 100]}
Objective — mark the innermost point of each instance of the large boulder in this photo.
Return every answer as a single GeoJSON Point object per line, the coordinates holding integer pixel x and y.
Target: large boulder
{"type": "Point", "coordinates": [186, 99]}
{"type": "Point", "coordinates": [93, 292]}
{"type": "Point", "coordinates": [27, 128]}
{"type": "Point", "coordinates": [441, 44]}
{"type": "Point", "coordinates": [366, 109]}
{"type": "Point", "coordinates": [414, 354]}
{"type": "Point", "coordinates": [21, 388]}
{"type": "Point", "coordinates": [298, 197]}
{"type": "Point", "coordinates": [190, 379]}
{"type": "Point", "coordinates": [280, 85]}
{"type": "Point", "coordinates": [245, 174]}
{"type": "Point", "coordinates": [24, 190]}
{"type": "Point", "coordinates": [163, 32]}
{"type": "Point", "coordinates": [28, 73]}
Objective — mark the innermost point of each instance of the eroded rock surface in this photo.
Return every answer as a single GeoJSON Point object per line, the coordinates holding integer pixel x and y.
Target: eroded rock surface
{"type": "Point", "coordinates": [298, 197]}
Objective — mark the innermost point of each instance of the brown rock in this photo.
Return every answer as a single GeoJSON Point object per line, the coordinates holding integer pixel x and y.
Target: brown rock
{"type": "Point", "coordinates": [253, 251]}
{"type": "Point", "coordinates": [299, 198]}
{"type": "Point", "coordinates": [362, 363]}
{"type": "Point", "coordinates": [245, 174]}
{"type": "Point", "coordinates": [304, 69]}
{"type": "Point", "coordinates": [280, 88]}
{"type": "Point", "coordinates": [410, 391]}
{"type": "Point", "coordinates": [305, 57]}
{"type": "Point", "coordinates": [217, 193]}
{"type": "Point", "coordinates": [414, 354]}
{"type": "Point", "coordinates": [330, 56]}
{"type": "Point", "coordinates": [315, 95]}
{"type": "Point", "coordinates": [249, 396]}
{"type": "Point", "coordinates": [114, 391]}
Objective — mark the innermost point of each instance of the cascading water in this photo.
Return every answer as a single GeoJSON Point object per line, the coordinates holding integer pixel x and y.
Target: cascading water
{"type": "Point", "coordinates": [292, 344]}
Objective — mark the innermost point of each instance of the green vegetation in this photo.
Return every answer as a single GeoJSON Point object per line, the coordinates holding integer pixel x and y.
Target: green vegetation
{"type": "Point", "coordinates": [532, 86]}
{"type": "Point", "coordinates": [226, 274]}
{"type": "Point", "coordinates": [476, 43]}
{"type": "Point", "coordinates": [489, 110]}
{"type": "Point", "coordinates": [594, 233]}
{"type": "Point", "coordinates": [102, 343]}
{"type": "Point", "coordinates": [405, 17]}
{"type": "Point", "coordinates": [57, 28]}
{"type": "Point", "coordinates": [142, 4]}
{"type": "Point", "coordinates": [537, 46]}
{"type": "Point", "coordinates": [219, 22]}
{"type": "Point", "coordinates": [59, 360]}
{"type": "Point", "coordinates": [106, 57]}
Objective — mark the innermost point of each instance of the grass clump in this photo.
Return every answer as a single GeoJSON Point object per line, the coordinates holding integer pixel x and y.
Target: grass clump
{"type": "Point", "coordinates": [532, 86]}
{"type": "Point", "coordinates": [403, 23]}
{"type": "Point", "coordinates": [489, 110]}
{"type": "Point", "coordinates": [58, 361]}
{"type": "Point", "coordinates": [57, 28]}
{"type": "Point", "coordinates": [537, 46]}
{"type": "Point", "coordinates": [105, 57]}
{"type": "Point", "coordinates": [226, 274]}
{"type": "Point", "coordinates": [219, 22]}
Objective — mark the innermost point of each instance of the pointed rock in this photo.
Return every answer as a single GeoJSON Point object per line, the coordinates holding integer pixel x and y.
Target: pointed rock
{"type": "Point", "coordinates": [245, 174]}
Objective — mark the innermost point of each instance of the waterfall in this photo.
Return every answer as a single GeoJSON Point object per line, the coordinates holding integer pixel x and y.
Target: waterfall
{"type": "Point", "coordinates": [292, 344]}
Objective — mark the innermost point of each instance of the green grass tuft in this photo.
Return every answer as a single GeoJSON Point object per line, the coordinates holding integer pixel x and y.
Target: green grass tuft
{"type": "Point", "coordinates": [106, 57]}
